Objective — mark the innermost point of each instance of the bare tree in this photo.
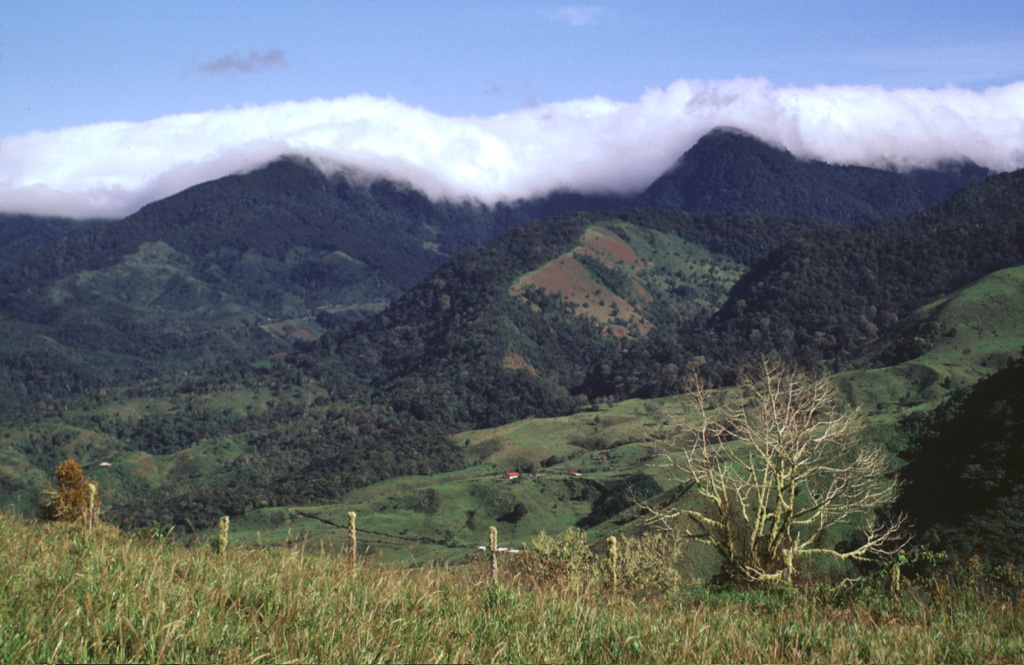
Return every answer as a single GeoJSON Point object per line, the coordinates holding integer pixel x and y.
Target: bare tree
{"type": "Point", "coordinates": [776, 470]}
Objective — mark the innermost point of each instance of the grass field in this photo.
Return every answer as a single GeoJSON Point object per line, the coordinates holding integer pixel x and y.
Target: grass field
{"type": "Point", "coordinates": [72, 596]}
{"type": "Point", "coordinates": [417, 519]}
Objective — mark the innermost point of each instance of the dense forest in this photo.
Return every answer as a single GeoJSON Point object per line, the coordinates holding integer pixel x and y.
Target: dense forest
{"type": "Point", "coordinates": [965, 477]}
{"type": "Point", "coordinates": [439, 349]}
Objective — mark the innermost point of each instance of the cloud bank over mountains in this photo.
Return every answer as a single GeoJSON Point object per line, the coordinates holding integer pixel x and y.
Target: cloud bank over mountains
{"type": "Point", "coordinates": [587, 145]}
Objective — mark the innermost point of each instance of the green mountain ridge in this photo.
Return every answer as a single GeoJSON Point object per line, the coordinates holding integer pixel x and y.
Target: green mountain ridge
{"type": "Point", "coordinates": [286, 253]}
{"type": "Point", "coordinates": [171, 350]}
{"type": "Point", "coordinates": [454, 336]}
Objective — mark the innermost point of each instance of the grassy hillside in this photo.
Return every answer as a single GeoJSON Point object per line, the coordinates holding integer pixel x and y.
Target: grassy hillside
{"type": "Point", "coordinates": [447, 516]}
{"type": "Point", "coordinates": [947, 345]}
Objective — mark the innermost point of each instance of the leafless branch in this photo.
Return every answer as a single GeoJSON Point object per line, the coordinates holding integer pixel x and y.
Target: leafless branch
{"type": "Point", "coordinates": [776, 470]}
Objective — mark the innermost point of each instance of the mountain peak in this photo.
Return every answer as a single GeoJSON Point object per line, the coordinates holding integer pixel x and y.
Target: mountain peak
{"type": "Point", "coordinates": [729, 170]}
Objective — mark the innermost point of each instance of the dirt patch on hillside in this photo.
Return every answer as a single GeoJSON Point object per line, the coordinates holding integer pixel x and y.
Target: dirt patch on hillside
{"type": "Point", "coordinates": [147, 468]}
{"type": "Point", "coordinates": [568, 277]}
{"type": "Point", "coordinates": [565, 275]}
{"type": "Point", "coordinates": [609, 247]}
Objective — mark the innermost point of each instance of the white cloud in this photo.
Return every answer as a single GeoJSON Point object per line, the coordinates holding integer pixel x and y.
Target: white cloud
{"type": "Point", "coordinates": [596, 144]}
{"type": "Point", "coordinates": [578, 15]}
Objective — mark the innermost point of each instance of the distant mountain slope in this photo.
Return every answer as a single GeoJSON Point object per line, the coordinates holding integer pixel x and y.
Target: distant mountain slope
{"type": "Point", "coordinates": [516, 327]}
{"type": "Point", "coordinates": [729, 171]}
{"type": "Point", "coordinates": [822, 295]}
{"type": "Point", "coordinates": [552, 316]}
{"type": "Point", "coordinates": [609, 305]}
{"type": "Point", "coordinates": [240, 266]}
{"type": "Point", "coordinates": [21, 235]}
{"type": "Point", "coordinates": [290, 203]}
{"type": "Point", "coordinates": [477, 341]}
{"type": "Point", "coordinates": [287, 204]}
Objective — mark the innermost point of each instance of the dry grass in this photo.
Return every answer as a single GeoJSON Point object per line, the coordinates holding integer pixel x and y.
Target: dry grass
{"type": "Point", "coordinates": [67, 597]}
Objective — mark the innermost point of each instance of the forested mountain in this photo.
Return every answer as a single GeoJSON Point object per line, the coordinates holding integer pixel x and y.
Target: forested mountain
{"type": "Point", "coordinates": [824, 294]}
{"type": "Point", "coordinates": [520, 326]}
{"type": "Point", "coordinates": [245, 265]}
{"type": "Point", "coordinates": [406, 320]}
{"type": "Point", "coordinates": [513, 320]}
{"type": "Point", "coordinates": [240, 266]}
{"type": "Point", "coordinates": [395, 230]}
{"type": "Point", "coordinates": [21, 235]}
{"type": "Point", "coordinates": [730, 171]}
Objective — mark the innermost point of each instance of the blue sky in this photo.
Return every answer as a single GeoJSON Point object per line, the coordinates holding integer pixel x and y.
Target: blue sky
{"type": "Point", "coordinates": [74, 64]}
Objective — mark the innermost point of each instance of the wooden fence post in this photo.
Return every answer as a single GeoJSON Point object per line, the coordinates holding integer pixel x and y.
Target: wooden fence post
{"type": "Point", "coordinates": [352, 539]}
{"type": "Point", "coordinates": [222, 545]}
{"type": "Point", "coordinates": [92, 505]}
{"type": "Point", "coordinates": [613, 561]}
{"type": "Point", "coordinates": [494, 554]}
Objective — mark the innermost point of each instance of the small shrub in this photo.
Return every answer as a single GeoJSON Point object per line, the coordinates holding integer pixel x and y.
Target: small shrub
{"type": "Point", "coordinates": [157, 531]}
{"type": "Point", "coordinates": [624, 495]}
{"type": "Point", "coordinates": [1010, 578]}
{"type": "Point", "coordinates": [551, 461]}
{"type": "Point", "coordinates": [591, 442]}
{"type": "Point", "coordinates": [498, 600]}
{"type": "Point", "coordinates": [564, 560]}
{"type": "Point", "coordinates": [518, 512]}
{"type": "Point", "coordinates": [648, 563]}
{"type": "Point", "coordinates": [222, 541]}
{"type": "Point", "coordinates": [70, 501]}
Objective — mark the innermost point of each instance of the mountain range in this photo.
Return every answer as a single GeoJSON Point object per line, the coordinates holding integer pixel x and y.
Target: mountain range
{"type": "Point", "coordinates": [286, 336]}
{"type": "Point", "coordinates": [249, 263]}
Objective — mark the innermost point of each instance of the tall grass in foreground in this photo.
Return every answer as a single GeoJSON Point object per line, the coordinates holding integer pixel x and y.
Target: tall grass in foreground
{"type": "Point", "coordinates": [69, 597]}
